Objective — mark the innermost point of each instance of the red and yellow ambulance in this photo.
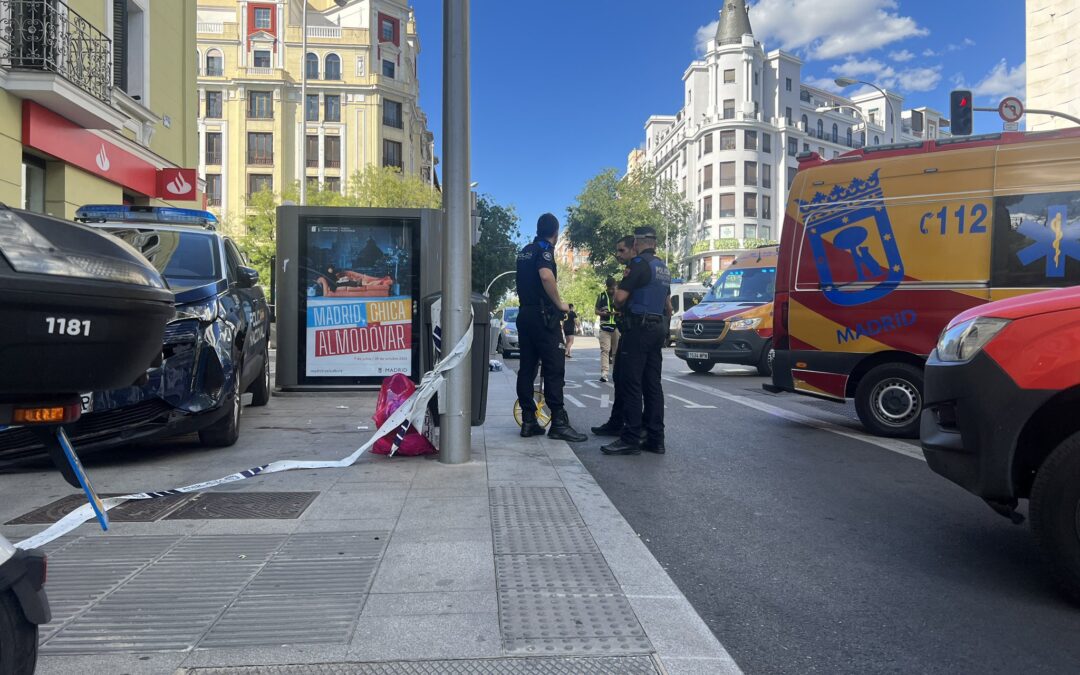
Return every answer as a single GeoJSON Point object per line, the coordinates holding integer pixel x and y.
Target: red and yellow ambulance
{"type": "Point", "coordinates": [883, 246]}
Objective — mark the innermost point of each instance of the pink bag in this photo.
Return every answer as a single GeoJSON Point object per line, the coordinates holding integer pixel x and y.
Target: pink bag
{"type": "Point", "coordinates": [395, 390]}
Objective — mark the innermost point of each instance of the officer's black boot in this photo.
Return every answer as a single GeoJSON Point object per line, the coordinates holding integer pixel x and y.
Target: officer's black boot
{"type": "Point", "coordinates": [607, 429]}
{"type": "Point", "coordinates": [654, 445]}
{"type": "Point", "coordinates": [621, 447]}
{"type": "Point", "coordinates": [561, 429]}
{"type": "Point", "coordinates": [530, 427]}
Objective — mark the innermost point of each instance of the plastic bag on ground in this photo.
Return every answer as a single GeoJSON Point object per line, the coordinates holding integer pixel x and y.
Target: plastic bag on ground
{"type": "Point", "coordinates": [395, 390]}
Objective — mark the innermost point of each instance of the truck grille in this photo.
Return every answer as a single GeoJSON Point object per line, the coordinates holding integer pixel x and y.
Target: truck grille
{"type": "Point", "coordinates": [702, 330]}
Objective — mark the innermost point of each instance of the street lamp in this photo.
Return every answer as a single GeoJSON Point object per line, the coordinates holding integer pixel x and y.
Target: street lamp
{"type": "Point", "coordinates": [847, 82]}
{"type": "Point", "coordinates": [497, 277]}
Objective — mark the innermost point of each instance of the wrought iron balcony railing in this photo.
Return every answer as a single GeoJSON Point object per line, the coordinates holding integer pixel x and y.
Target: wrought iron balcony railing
{"type": "Point", "coordinates": [47, 35]}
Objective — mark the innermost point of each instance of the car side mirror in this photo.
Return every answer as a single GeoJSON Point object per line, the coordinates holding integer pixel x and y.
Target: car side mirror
{"type": "Point", "coordinates": [248, 277]}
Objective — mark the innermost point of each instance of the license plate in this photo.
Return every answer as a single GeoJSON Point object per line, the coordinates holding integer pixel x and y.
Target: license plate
{"type": "Point", "coordinates": [87, 403]}
{"type": "Point", "coordinates": [698, 356]}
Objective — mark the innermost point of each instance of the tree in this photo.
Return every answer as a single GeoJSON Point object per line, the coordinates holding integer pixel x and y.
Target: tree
{"type": "Point", "coordinates": [610, 207]}
{"type": "Point", "coordinates": [497, 251]}
{"type": "Point", "coordinates": [580, 288]}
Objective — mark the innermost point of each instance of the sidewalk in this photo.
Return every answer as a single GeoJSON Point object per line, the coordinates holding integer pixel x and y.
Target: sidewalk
{"type": "Point", "coordinates": [514, 563]}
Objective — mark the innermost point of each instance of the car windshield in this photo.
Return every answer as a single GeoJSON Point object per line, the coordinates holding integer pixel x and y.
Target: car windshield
{"type": "Point", "coordinates": [510, 315]}
{"type": "Point", "coordinates": [185, 259]}
{"type": "Point", "coordinates": [744, 285]}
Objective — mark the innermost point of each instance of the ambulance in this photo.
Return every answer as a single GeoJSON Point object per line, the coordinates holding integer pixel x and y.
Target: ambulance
{"type": "Point", "coordinates": [883, 246]}
{"type": "Point", "coordinates": [733, 323]}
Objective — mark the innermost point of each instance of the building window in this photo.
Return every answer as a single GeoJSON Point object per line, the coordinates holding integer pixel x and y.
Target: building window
{"type": "Point", "coordinates": [792, 146]}
{"type": "Point", "coordinates": [707, 184]}
{"type": "Point", "coordinates": [835, 133]}
{"type": "Point", "coordinates": [213, 104]}
{"type": "Point", "coordinates": [729, 76]}
{"type": "Point", "coordinates": [766, 175]}
{"type": "Point", "coordinates": [787, 115]}
{"type": "Point", "coordinates": [766, 207]}
{"type": "Point", "coordinates": [750, 173]}
{"type": "Point", "coordinates": [215, 63]}
{"type": "Point", "coordinates": [850, 142]}
{"type": "Point", "coordinates": [332, 184]}
{"type": "Point", "coordinates": [750, 140]}
{"type": "Point", "coordinates": [129, 41]}
{"type": "Point", "coordinates": [261, 105]}
{"type": "Point", "coordinates": [311, 66]}
{"type": "Point", "coordinates": [262, 18]}
{"type": "Point", "coordinates": [311, 108]}
{"type": "Point", "coordinates": [765, 232]}
{"type": "Point", "coordinates": [787, 85]}
{"type": "Point", "coordinates": [706, 208]}
{"type": "Point", "coordinates": [727, 173]}
{"type": "Point", "coordinates": [392, 154]}
{"type": "Point", "coordinates": [33, 170]}
{"type": "Point", "coordinates": [749, 205]}
{"type": "Point", "coordinates": [333, 67]}
{"type": "Point", "coordinates": [257, 182]}
{"type": "Point", "coordinates": [262, 58]}
{"type": "Point", "coordinates": [805, 123]}
{"type": "Point", "coordinates": [311, 151]}
{"type": "Point", "coordinates": [766, 143]}
{"type": "Point", "coordinates": [727, 231]}
{"type": "Point", "coordinates": [877, 141]}
{"type": "Point", "coordinates": [389, 69]}
{"type": "Point", "coordinates": [213, 148]}
{"type": "Point", "coordinates": [260, 149]}
{"type": "Point", "coordinates": [727, 206]}
{"type": "Point", "coordinates": [727, 139]}
{"type": "Point", "coordinates": [749, 231]}
{"type": "Point", "coordinates": [333, 108]}
{"type": "Point", "coordinates": [391, 114]}
{"type": "Point", "coordinates": [332, 152]}
{"type": "Point", "coordinates": [708, 143]}
{"type": "Point", "coordinates": [386, 30]}
{"type": "Point", "coordinates": [820, 129]}
{"type": "Point", "coordinates": [213, 189]}
{"type": "Point", "coordinates": [729, 108]}
{"type": "Point", "coordinates": [755, 78]}
{"type": "Point", "coordinates": [791, 176]}
{"type": "Point", "coordinates": [806, 147]}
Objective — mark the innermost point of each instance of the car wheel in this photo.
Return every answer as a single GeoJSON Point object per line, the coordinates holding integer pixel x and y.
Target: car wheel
{"type": "Point", "coordinates": [889, 400]}
{"type": "Point", "coordinates": [1055, 514]}
{"type": "Point", "coordinates": [226, 431]}
{"type": "Point", "coordinates": [260, 388]}
{"type": "Point", "coordinates": [700, 366]}
{"type": "Point", "coordinates": [764, 366]}
{"type": "Point", "coordinates": [18, 637]}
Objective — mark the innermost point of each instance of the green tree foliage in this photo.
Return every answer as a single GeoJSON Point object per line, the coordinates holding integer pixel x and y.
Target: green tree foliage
{"type": "Point", "coordinates": [610, 207]}
{"type": "Point", "coordinates": [580, 288]}
{"type": "Point", "coordinates": [497, 251]}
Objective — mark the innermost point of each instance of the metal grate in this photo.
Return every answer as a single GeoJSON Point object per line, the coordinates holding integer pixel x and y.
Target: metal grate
{"type": "Point", "coordinates": [245, 505]}
{"type": "Point", "coordinates": [134, 511]}
{"type": "Point", "coordinates": [702, 330]}
{"type": "Point", "coordinates": [609, 665]}
{"type": "Point", "coordinates": [286, 619]}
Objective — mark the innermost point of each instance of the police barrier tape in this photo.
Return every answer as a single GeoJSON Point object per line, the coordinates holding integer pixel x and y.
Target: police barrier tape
{"type": "Point", "coordinates": [411, 412]}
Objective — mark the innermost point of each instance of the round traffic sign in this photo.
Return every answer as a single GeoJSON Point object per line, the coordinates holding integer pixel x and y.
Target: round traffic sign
{"type": "Point", "coordinates": [1011, 109]}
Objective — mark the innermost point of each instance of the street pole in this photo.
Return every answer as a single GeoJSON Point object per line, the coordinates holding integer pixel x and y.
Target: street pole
{"type": "Point", "coordinates": [455, 426]}
{"type": "Point", "coordinates": [303, 103]}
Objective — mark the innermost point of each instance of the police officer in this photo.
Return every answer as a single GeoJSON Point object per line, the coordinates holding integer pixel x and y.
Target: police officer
{"type": "Point", "coordinates": [540, 333]}
{"type": "Point", "coordinates": [644, 297]}
{"type": "Point", "coordinates": [624, 253]}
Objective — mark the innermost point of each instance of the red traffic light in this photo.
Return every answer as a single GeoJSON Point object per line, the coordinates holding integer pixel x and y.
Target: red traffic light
{"type": "Point", "coordinates": [962, 112]}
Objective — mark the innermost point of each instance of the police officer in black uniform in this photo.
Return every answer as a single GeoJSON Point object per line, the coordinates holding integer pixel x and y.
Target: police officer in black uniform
{"type": "Point", "coordinates": [624, 253]}
{"type": "Point", "coordinates": [644, 297]}
{"type": "Point", "coordinates": [540, 333]}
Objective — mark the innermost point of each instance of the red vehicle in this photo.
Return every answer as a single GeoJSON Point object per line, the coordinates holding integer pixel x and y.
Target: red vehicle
{"type": "Point", "coordinates": [1002, 395]}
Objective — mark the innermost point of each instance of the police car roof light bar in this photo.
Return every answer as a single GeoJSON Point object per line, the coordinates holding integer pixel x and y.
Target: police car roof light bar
{"type": "Point", "coordinates": [164, 215]}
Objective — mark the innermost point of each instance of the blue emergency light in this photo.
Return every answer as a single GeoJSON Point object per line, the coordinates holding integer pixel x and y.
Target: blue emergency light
{"type": "Point", "coordinates": [167, 215]}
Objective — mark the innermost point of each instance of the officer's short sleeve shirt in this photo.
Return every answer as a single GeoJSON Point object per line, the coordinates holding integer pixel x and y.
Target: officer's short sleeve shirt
{"type": "Point", "coordinates": [531, 260]}
{"type": "Point", "coordinates": [638, 275]}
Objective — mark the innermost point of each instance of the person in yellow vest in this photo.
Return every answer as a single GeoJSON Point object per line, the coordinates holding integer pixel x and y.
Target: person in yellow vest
{"type": "Point", "coordinates": [609, 333]}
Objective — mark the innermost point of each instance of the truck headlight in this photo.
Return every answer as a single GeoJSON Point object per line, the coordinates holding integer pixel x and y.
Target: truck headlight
{"type": "Point", "coordinates": [964, 340]}
{"type": "Point", "coordinates": [510, 332]}
{"type": "Point", "coordinates": [744, 324]}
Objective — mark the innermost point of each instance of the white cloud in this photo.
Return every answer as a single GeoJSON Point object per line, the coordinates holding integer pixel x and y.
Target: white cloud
{"type": "Point", "coordinates": [968, 42]}
{"type": "Point", "coordinates": [924, 78]}
{"type": "Point", "coordinates": [919, 79]}
{"type": "Point", "coordinates": [826, 83]}
{"type": "Point", "coordinates": [901, 56]}
{"type": "Point", "coordinates": [929, 52]}
{"type": "Point", "coordinates": [825, 29]}
{"type": "Point", "coordinates": [1003, 81]}
{"type": "Point", "coordinates": [856, 68]}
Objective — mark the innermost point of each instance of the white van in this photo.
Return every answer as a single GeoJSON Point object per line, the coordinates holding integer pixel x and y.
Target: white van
{"type": "Point", "coordinates": [683, 297]}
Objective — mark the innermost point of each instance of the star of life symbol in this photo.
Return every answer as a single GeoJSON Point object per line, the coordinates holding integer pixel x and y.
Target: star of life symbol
{"type": "Point", "coordinates": [854, 216]}
{"type": "Point", "coordinates": [1057, 241]}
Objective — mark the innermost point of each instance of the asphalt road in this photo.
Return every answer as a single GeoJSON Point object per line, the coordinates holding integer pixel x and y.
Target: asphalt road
{"type": "Point", "coordinates": [819, 550]}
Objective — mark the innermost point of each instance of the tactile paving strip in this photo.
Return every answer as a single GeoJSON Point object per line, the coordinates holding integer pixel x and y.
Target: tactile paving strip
{"type": "Point", "coordinates": [559, 615]}
{"type": "Point", "coordinates": [604, 665]}
{"type": "Point", "coordinates": [587, 573]}
{"type": "Point", "coordinates": [602, 645]}
{"type": "Point", "coordinates": [245, 505]}
{"type": "Point", "coordinates": [543, 539]}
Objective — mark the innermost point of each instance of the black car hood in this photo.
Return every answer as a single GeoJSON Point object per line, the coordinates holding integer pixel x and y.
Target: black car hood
{"type": "Point", "coordinates": [188, 294]}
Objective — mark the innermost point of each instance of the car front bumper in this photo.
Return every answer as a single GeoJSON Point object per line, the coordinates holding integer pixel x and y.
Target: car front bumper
{"type": "Point", "coordinates": [742, 347]}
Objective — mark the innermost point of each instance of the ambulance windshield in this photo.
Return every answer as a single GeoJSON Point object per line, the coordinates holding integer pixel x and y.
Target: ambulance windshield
{"type": "Point", "coordinates": [744, 285]}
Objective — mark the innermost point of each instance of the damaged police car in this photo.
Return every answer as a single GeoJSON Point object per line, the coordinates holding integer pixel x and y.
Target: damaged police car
{"type": "Point", "coordinates": [214, 350]}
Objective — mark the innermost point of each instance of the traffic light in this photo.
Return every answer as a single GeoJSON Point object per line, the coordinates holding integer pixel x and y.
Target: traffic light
{"type": "Point", "coordinates": [962, 109]}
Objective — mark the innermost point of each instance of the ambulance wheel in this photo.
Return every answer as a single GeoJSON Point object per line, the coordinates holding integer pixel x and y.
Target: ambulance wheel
{"type": "Point", "coordinates": [699, 366]}
{"type": "Point", "coordinates": [1055, 514]}
{"type": "Point", "coordinates": [226, 431]}
{"type": "Point", "coordinates": [889, 400]}
{"type": "Point", "coordinates": [18, 637]}
{"type": "Point", "coordinates": [764, 366]}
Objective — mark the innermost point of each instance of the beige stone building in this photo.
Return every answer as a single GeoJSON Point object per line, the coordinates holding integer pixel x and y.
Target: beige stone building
{"type": "Point", "coordinates": [1053, 61]}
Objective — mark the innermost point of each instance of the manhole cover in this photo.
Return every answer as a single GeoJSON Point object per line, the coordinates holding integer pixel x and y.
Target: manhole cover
{"type": "Point", "coordinates": [134, 511]}
{"type": "Point", "coordinates": [245, 505]}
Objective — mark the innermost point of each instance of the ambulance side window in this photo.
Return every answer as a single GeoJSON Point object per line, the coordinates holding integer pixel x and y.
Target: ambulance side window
{"type": "Point", "coordinates": [1036, 240]}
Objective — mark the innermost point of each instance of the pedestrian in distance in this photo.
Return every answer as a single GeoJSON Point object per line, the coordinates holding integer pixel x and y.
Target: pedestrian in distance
{"type": "Point", "coordinates": [609, 334]}
{"type": "Point", "coordinates": [570, 330]}
{"type": "Point", "coordinates": [540, 332]}
{"type": "Point", "coordinates": [624, 252]}
{"type": "Point", "coordinates": [644, 295]}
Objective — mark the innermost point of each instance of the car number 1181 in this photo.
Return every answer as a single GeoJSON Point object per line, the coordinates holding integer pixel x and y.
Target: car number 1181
{"type": "Point", "coordinates": [72, 327]}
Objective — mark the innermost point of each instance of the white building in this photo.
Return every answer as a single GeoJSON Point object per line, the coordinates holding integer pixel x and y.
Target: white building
{"type": "Point", "coordinates": [1053, 61]}
{"type": "Point", "coordinates": [745, 117]}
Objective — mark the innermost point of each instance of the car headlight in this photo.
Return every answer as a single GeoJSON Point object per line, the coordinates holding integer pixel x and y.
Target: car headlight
{"type": "Point", "coordinates": [744, 324]}
{"type": "Point", "coordinates": [964, 340]}
{"type": "Point", "coordinates": [205, 310]}
{"type": "Point", "coordinates": [510, 332]}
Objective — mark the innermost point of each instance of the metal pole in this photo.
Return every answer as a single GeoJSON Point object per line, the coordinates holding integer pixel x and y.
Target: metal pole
{"type": "Point", "coordinates": [303, 103]}
{"type": "Point", "coordinates": [497, 277]}
{"type": "Point", "coordinates": [888, 108]}
{"type": "Point", "coordinates": [455, 430]}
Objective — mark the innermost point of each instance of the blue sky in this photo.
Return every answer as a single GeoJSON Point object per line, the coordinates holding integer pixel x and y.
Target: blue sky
{"type": "Point", "coordinates": [562, 88]}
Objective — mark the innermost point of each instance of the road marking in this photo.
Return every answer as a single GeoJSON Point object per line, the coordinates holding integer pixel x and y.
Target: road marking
{"type": "Point", "coordinates": [573, 400]}
{"type": "Point", "coordinates": [893, 445]}
{"type": "Point", "coordinates": [592, 384]}
{"type": "Point", "coordinates": [690, 404]}
{"type": "Point", "coordinates": [605, 400]}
